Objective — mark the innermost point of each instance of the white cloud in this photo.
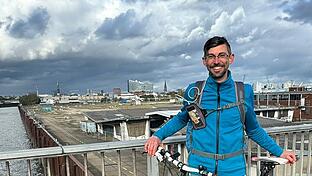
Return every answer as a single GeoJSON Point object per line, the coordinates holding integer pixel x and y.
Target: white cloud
{"type": "Point", "coordinates": [185, 56]}
{"type": "Point", "coordinates": [276, 60]}
{"type": "Point", "coordinates": [197, 33]}
{"type": "Point", "coordinates": [248, 38]}
{"type": "Point", "coordinates": [248, 53]}
{"type": "Point", "coordinates": [225, 23]}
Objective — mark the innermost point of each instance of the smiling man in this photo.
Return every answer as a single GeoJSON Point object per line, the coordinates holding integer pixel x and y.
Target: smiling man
{"type": "Point", "coordinates": [217, 60]}
{"type": "Point", "coordinates": [215, 139]}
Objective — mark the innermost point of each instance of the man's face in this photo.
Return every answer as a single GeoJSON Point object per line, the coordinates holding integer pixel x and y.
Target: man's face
{"type": "Point", "coordinates": [217, 62]}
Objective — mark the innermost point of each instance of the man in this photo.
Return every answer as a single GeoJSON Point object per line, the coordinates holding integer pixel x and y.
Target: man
{"type": "Point", "coordinates": [218, 145]}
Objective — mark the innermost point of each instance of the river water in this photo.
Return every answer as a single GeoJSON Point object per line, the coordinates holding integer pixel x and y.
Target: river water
{"type": "Point", "coordinates": [14, 137]}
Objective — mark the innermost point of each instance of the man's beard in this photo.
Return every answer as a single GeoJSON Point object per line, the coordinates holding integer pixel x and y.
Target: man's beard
{"type": "Point", "coordinates": [220, 75]}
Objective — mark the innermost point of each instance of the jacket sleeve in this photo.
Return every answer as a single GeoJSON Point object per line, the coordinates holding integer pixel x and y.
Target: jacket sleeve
{"type": "Point", "coordinates": [253, 128]}
{"type": "Point", "coordinates": [178, 121]}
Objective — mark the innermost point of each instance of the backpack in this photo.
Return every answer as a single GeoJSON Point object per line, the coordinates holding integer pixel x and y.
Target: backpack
{"type": "Point", "coordinates": [240, 98]}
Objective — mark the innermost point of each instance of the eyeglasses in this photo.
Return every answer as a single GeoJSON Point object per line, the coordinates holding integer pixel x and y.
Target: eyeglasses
{"type": "Point", "coordinates": [213, 57]}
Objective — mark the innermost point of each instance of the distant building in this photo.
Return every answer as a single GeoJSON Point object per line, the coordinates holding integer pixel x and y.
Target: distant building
{"type": "Point", "coordinates": [293, 105]}
{"type": "Point", "coordinates": [46, 99]}
{"type": "Point", "coordinates": [91, 98]}
{"type": "Point", "coordinates": [129, 98]}
{"type": "Point", "coordinates": [129, 124]}
{"type": "Point", "coordinates": [58, 90]}
{"type": "Point", "coordinates": [138, 86]}
{"type": "Point", "coordinates": [116, 91]}
{"type": "Point", "coordinates": [165, 87]}
{"type": "Point", "coordinates": [260, 87]}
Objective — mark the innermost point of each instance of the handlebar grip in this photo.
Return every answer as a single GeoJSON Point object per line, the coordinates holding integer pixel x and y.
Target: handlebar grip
{"type": "Point", "coordinates": [160, 154]}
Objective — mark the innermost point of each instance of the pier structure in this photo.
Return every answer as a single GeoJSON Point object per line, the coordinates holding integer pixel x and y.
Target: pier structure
{"type": "Point", "coordinates": [297, 138]}
{"type": "Point", "coordinates": [129, 124]}
{"type": "Point", "coordinates": [63, 149]}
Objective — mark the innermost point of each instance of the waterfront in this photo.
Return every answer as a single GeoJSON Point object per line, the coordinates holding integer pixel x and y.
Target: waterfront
{"type": "Point", "coordinates": [13, 137]}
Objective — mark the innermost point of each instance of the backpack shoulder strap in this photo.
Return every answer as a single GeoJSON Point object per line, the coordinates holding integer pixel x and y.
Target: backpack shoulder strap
{"type": "Point", "coordinates": [198, 92]}
{"type": "Point", "coordinates": [240, 97]}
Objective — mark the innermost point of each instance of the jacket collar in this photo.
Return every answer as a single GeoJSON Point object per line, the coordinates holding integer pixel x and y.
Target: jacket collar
{"type": "Point", "coordinates": [227, 83]}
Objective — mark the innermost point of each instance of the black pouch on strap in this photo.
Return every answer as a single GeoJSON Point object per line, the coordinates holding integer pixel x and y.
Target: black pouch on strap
{"type": "Point", "coordinates": [197, 116]}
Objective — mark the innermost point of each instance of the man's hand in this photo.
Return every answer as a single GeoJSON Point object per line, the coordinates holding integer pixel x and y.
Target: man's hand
{"type": "Point", "coordinates": [290, 156]}
{"type": "Point", "coordinates": [151, 145]}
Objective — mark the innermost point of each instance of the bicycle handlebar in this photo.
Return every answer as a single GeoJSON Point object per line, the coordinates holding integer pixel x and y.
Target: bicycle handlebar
{"type": "Point", "coordinates": [276, 160]}
{"type": "Point", "coordinates": [162, 155]}
{"type": "Point", "coordinates": [269, 164]}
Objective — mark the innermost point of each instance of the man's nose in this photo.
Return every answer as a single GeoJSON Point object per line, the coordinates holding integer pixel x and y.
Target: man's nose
{"type": "Point", "coordinates": [216, 60]}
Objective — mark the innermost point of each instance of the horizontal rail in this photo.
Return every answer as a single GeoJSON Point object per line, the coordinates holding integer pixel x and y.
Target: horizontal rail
{"type": "Point", "coordinates": [74, 149]}
{"type": "Point", "coordinates": [81, 148]}
{"type": "Point", "coordinates": [290, 129]}
{"type": "Point", "coordinates": [31, 153]}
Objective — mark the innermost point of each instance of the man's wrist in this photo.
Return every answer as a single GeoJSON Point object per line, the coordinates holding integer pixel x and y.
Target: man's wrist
{"type": "Point", "coordinates": [156, 137]}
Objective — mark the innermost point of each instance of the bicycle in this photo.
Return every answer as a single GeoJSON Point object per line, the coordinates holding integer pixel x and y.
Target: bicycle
{"type": "Point", "coordinates": [267, 167]}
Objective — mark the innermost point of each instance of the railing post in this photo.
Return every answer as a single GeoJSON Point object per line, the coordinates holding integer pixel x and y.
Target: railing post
{"type": "Point", "coordinates": [184, 154]}
{"type": "Point", "coordinates": [103, 163]}
{"type": "Point", "coordinates": [85, 161]}
{"type": "Point", "coordinates": [180, 151]}
{"type": "Point", "coordinates": [7, 163]}
{"type": "Point", "coordinates": [258, 162]}
{"type": "Point", "coordinates": [48, 167]}
{"type": "Point", "coordinates": [285, 148]}
{"type": "Point", "coordinates": [309, 153]}
{"type": "Point", "coordinates": [248, 157]}
{"type": "Point", "coordinates": [134, 162]}
{"type": "Point", "coordinates": [152, 166]}
{"type": "Point", "coordinates": [276, 171]}
{"type": "Point", "coordinates": [293, 167]}
{"type": "Point", "coordinates": [119, 162]}
{"type": "Point", "coordinates": [301, 153]}
{"type": "Point", "coordinates": [67, 166]}
{"type": "Point", "coordinates": [29, 167]}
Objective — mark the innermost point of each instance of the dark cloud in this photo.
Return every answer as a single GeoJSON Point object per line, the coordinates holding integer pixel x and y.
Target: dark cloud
{"type": "Point", "coordinates": [299, 12]}
{"type": "Point", "coordinates": [166, 44]}
{"type": "Point", "coordinates": [34, 25]}
{"type": "Point", "coordinates": [75, 73]}
{"type": "Point", "coordinates": [126, 25]}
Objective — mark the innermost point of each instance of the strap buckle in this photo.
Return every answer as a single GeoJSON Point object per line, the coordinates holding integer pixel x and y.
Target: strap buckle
{"type": "Point", "coordinates": [219, 157]}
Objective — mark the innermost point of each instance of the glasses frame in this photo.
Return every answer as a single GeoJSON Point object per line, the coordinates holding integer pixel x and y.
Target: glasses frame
{"type": "Point", "coordinates": [221, 55]}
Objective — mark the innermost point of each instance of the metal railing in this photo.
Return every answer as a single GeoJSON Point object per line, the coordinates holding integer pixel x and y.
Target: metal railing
{"type": "Point", "coordinates": [297, 138]}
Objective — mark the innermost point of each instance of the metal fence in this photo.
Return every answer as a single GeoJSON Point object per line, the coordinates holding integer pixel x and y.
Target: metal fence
{"type": "Point", "coordinates": [126, 157]}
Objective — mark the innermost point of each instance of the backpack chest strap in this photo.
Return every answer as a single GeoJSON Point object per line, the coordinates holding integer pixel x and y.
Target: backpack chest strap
{"type": "Point", "coordinates": [240, 98]}
{"type": "Point", "coordinates": [217, 156]}
{"type": "Point", "coordinates": [227, 106]}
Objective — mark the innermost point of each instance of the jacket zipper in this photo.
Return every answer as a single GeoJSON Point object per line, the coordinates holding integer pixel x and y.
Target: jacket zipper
{"type": "Point", "coordinates": [218, 126]}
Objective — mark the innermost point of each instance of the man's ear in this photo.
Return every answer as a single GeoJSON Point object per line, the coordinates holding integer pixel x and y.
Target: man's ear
{"type": "Point", "coordinates": [204, 61]}
{"type": "Point", "coordinates": [231, 58]}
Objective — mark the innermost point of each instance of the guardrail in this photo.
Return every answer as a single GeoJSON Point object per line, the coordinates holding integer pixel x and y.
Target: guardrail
{"type": "Point", "coordinates": [297, 138]}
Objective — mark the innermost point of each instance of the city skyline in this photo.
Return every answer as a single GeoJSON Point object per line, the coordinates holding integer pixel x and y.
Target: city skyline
{"type": "Point", "coordinates": [100, 45]}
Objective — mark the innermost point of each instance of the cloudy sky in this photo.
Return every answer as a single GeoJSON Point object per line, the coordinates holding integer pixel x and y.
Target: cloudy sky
{"type": "Point", "coordinates": [99, 44]}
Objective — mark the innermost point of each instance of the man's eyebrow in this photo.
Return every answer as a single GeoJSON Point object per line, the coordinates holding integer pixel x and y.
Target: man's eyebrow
{"type": "Point", "coordinates": [218, 53]}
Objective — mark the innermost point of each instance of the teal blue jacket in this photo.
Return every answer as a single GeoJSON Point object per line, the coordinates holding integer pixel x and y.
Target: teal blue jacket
{"type": "Point", "coordinates": [224, 130]}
